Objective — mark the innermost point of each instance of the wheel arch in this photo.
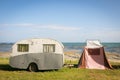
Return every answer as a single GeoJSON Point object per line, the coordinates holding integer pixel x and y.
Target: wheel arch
{"type": "Point", "coordinates": [32, 63]}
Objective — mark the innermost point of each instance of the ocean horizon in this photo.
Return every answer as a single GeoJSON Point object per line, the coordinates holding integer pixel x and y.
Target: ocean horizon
{"type": "Point", "coordinates": [71, 46]}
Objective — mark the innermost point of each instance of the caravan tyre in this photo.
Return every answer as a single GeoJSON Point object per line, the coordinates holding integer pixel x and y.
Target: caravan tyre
{"type": "Point", "coordinates": [33, 67]}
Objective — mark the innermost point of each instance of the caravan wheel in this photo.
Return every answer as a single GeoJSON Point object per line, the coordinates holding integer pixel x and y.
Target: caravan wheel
{"type": "Point", "coordinates": [33, 67]}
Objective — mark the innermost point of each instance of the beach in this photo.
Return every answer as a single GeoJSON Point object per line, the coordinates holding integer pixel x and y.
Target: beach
{"type": "Point", "coordinates": [72, 51]}
{"type": "Point", "coordinates": [112, 57]}
{"type": "Point", "coordinates": [73, 55]}
{"type": "Point", "coordinates": [5, 54]}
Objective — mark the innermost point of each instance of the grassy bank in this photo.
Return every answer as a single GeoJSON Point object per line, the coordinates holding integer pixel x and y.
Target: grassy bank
{"type": "Point", "coordinates": [8, 73]}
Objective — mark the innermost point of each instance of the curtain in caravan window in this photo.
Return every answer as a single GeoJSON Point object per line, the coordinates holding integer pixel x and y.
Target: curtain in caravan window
{"type": "Point", "coordinates": [23, 47]}
{"type": "Point", "coordinates": [48, 48]}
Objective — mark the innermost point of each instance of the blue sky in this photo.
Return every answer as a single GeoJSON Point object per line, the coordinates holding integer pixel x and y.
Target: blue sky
{"type": "Point", "coordinates": [63, 20]}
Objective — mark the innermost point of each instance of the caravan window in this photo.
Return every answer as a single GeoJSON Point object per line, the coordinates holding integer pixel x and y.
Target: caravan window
{"type": "Point", "coordinates": [48, 48]}
{"type": "Point", "coordinates": [23, 47]}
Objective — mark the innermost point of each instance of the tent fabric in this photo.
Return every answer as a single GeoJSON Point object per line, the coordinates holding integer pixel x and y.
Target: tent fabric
{"type": "Point", "coordinates": [94, 58]}
{"type": "Point", "coordinates": [93, 44]}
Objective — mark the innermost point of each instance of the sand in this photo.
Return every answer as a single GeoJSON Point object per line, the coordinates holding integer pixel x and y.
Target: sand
{"type": "Point", "coordinates": [4, 54]}
{"type": "Point", "coordinates": [73, 55]}
{"type": "Point", "coordinates": [112, 57]}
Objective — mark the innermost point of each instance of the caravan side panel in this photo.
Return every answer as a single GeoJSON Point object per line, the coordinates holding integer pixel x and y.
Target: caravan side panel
{"type": "Point", "coordinates": [44, 61]}
{"type": "Point", "coordinates": [18, 61]}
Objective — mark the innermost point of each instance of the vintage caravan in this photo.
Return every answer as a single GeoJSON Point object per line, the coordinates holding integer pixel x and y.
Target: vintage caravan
{"type": "Point", "coordinates": [37, 54]}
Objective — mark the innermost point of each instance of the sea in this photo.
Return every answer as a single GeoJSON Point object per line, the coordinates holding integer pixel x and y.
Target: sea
{"type": "Point", "coordinates": [77, 47]}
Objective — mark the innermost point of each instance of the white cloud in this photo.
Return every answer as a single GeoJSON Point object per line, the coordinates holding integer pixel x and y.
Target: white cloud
{"type": "Point", "coordinates": [54, 27]}
{"type": "Point", "coordinates": [105, 34]}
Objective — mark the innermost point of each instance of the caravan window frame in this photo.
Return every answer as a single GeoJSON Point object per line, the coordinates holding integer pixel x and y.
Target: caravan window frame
{"type": "Point", "coordinates": [48, 48]}
{"type": "Point", "coordinates": [23, 47]}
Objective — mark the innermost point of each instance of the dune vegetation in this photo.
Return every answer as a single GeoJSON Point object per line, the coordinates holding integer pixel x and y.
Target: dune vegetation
{"type": "Point", "coordinates": [66, 73]}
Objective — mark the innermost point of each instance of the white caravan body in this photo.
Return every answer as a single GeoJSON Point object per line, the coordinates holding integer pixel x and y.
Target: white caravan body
{"type": "Point", "coordinates": [46, 54]}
